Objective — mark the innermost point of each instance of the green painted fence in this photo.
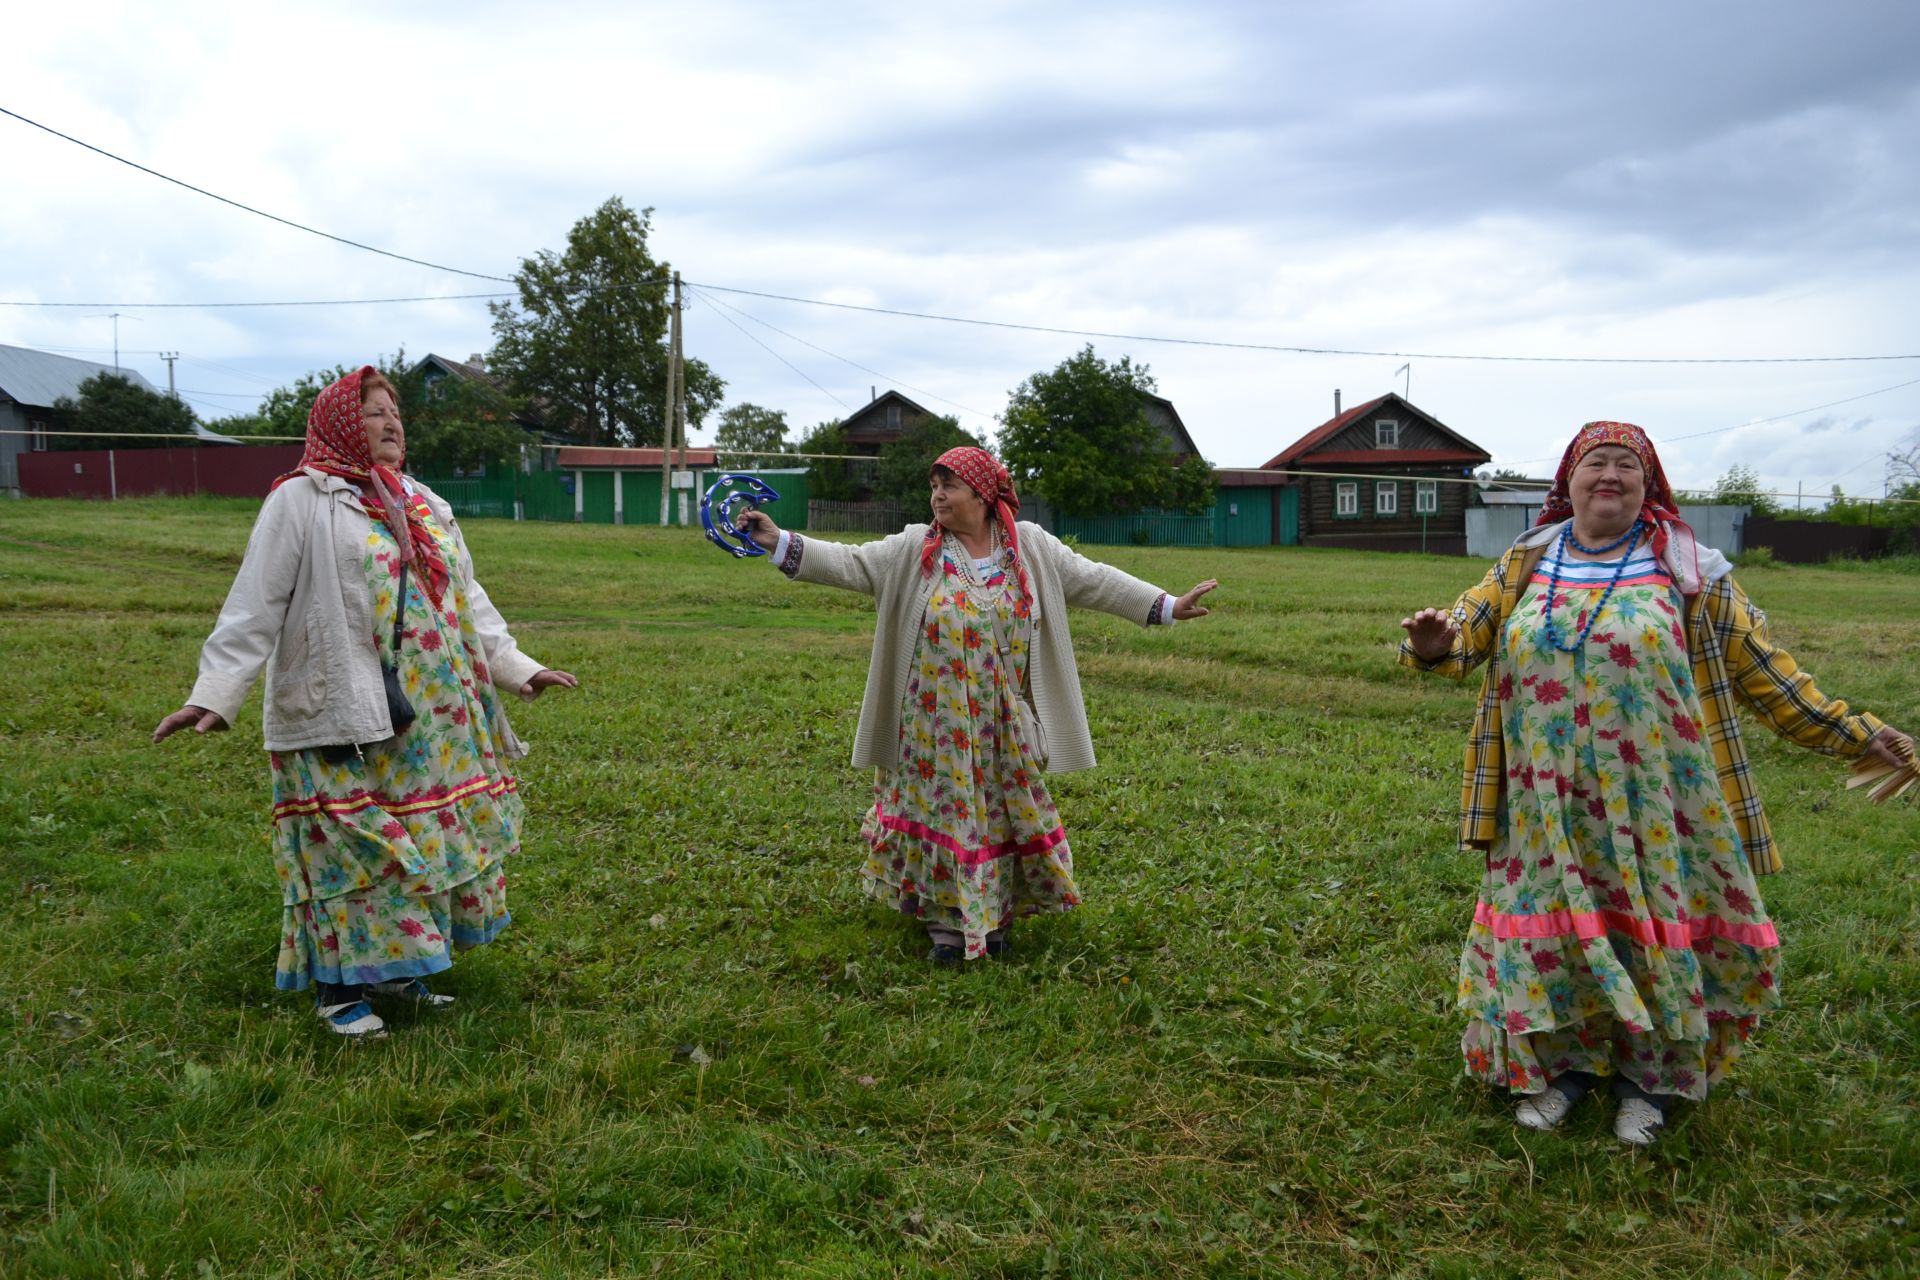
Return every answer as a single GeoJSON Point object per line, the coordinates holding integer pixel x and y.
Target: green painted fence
{"type": "Point", "coordinates": [550, 495]}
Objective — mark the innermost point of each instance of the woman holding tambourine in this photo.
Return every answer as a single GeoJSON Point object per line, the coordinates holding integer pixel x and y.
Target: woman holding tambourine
{"type": "Point", "coordinates": [972, 697]}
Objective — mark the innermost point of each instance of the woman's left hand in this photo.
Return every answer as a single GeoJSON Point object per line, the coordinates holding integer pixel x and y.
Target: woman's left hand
{"type": "Point", "coordinates": [1189, 606]}
{"type": "Point", "coordinates": [544, 680]}
{"type": "Point", "coordinates": [1890, 746]}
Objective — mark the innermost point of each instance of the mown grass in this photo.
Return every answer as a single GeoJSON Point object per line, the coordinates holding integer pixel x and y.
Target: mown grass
{"type": "Point", "coordinates": [1238, 1058]}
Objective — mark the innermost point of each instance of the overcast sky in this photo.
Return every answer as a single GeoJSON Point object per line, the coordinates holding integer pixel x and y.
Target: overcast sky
{"type": "Point", "coordinates": [1466, 179]}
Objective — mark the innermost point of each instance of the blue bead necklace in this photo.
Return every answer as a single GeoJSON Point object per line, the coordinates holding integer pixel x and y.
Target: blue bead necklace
{"type": "Point", "coordinates": [1631, 536]}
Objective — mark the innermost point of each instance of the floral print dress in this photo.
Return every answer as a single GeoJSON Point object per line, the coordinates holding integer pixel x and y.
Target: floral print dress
{"type": "Point", "coordinates": [1619, 927]}
{"type": "Point", "coordinates": [391, 861]}
{"type": "Point", "coordinates": [963, 834]}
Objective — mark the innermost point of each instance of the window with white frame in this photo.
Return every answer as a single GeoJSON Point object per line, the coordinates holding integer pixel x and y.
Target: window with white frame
{"type": "Point", "coordinates": [1426, 497]}
{"type": "Point", "coordinates": [1386, 434]}
{"type": "Point", "coordinates": [1386, 497]}
{"type": "Point", "coordinates": [38, 440]}
{"type": "Point", "coordinates": [1346, 498]}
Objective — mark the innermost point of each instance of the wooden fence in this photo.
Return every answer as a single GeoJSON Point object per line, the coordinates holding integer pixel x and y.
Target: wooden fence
{"type": "Point", "coordinates": [854, 517]}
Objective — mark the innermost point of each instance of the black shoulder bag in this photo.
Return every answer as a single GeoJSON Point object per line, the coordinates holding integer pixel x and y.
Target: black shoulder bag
{"type": "Point", "coordinates": [398, 708]}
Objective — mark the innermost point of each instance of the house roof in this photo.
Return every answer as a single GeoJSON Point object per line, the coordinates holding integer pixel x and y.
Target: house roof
{"type": "Point", "coordinates": [583, 456]}
{"type": "Point", "coordinates": [1183, 441]}
{"type": "Point", "coordinates": [460, 368]}
{"type": "Point", "coordinates": [38, 378]}
{"type": "Point", "coordinates": [1466, 452]}
{"type": "Point", "coordinates": [855, 420]}
{"type": "Point", "coordinates": [1396, 457]}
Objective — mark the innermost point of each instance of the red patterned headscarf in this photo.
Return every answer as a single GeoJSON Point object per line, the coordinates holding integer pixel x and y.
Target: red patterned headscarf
{"type": "Point", "coordinates": [337, 445]}
{"type": "Point", "coordinates": [1657, 509]}
{"type": "Point", "coordinates": [982, 473]}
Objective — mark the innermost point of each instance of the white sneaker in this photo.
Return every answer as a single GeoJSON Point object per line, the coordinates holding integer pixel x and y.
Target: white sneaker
{"type": "Point", "coordinates": [1638, 1122]}
{"type": "Point", "coordinates": [1544, 1110]}
{"type": "Point", "coordinates": [356, 1020]}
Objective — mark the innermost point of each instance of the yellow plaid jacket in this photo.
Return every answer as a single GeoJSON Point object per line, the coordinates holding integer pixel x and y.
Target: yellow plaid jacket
{"type": "Point", "coordinates": [1734, 661]}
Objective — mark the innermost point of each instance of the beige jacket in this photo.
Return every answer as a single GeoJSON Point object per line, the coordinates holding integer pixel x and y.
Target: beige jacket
{"type": "Point", "coordinates": [889, 571]}
{"type": "Point", "coordinates": [300, 608]}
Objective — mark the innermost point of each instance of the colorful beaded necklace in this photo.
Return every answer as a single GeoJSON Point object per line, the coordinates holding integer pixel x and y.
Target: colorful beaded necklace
{"type": "Point", "coordinates": [1628, 539]}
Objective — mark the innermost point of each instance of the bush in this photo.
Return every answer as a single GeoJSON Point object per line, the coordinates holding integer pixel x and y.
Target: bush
{"type": "Point", "coordinates": [1756, 558]}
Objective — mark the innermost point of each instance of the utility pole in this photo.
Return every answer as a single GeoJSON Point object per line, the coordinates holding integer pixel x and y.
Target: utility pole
{"type": "Point", "coordinates": [115, 317]}
{"type": "Point", "coordinates": [673, 401]}
{"type": "Point", "coordinates": [170, 357]}
{"type": "Point", "coordinates": [680, 376]}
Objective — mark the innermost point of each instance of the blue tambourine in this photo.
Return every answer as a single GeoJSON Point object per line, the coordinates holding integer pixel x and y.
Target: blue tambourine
{"type": "Point", "coordinates": [724, 533]}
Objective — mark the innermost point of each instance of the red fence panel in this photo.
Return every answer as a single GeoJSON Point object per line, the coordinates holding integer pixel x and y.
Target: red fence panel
{"type": "Point", "coordinates": [234, 471]}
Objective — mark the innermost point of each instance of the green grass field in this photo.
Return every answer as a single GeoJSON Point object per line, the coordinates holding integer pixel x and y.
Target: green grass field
{"type": "Point", "coordinates": [1239, 1057]}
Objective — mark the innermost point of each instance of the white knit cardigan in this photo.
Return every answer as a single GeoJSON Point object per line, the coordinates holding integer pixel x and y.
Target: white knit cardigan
{"type": "Point", "coordinates": [889, 571]}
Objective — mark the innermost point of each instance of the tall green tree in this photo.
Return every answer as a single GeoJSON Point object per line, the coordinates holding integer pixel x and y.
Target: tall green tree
{"type": "Point", "coordinates": [900, 477]}
{"type": "Point", "coordinates": [1079, 436]}
{"type": "Point", "coordinates": [588, 338]}
{"type": "Point", "coordinates": [829, 479]}
{"type": "Point", "coordinates": [458, 424]}
{"type": "Point", "coordinates": [115, 405]}
{"type": "Point", "coordinates": [1741, 487]}
{"type": "Point", "coordinates": [753, 431]}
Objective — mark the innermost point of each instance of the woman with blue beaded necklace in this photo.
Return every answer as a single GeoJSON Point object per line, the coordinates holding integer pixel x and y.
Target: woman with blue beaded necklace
{"type": "Point", "coordinates": [1620, 930]}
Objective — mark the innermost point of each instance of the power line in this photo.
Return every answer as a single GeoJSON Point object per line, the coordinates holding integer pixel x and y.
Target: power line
{"type": "Point", "coordinates": [304, 302]}
{"type": "Point", "coordinates": [1295, 350]}
{"type": "Point", "coordinates": [782, 359]}
{"type": "Point", "coordinates": [842, 359]}
{"type": "Point", "coordinates": [1757, 422]}
{"type": "Point", "coordinates": [418, 262]}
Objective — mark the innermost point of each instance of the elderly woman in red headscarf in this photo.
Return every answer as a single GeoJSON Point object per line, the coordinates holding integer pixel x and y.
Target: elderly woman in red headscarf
{"type": "Point", "coordinates": [971, 698]}
{"type": "Point", "coordinates": [357, 596]}
{"type": "Point", "coordinates": [1620, 930]}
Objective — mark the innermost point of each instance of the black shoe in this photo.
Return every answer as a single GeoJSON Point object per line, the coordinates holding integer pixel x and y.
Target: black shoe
{"type": "Point", "coordinates": [946, 953]}
{"type": "Point", "coordinates": [999, 948]}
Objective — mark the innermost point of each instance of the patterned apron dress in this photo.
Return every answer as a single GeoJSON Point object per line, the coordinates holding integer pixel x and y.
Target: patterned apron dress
{"type": "Point", "coordinates": [963, 834]}
{"type": "Point", "coordinates": [1619, 927]}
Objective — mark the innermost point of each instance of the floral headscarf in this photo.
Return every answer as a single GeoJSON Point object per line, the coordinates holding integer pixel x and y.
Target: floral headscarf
{"type": "Point", "coordinates": [1657, 509]}
{"type": "Point", "coordinates": [982, 473]}
{"type": "Point", "coordinates": [337, 445]}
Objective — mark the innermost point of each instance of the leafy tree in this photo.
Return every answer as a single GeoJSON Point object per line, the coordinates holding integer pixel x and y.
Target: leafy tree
{"type": "Point", "coordinates": [901, 474]}
{"type": "Point", "coordinates": [456, 423]}
{"type": "Point", "coordinates": [1079, 436]}
{"type": "Point", "coordinates": [1903, 467]}
{"type": "Point", "coordinates": [1741, 487]}
{"type": "Point", "coordinates": [752, 430]}
{"type": "Point", "coordinates": [1194, 486]}
{"type": "Point", "coordinates": [113, 404]}
{"type": "Point", "coordinates": [830, 479]}
{"type": "Point", "coordinates": [588, 340]}
{"type": "Point", "coordinates": [243, 426]}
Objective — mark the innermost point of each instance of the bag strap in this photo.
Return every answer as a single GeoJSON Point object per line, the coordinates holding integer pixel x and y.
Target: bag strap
{"type": "Point", "coordinates": [399, 613]}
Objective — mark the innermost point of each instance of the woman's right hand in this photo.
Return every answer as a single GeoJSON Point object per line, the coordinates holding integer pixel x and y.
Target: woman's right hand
{"type": "Point", "coordinates": [1431, 633]}
{"type": "Point", "coordinates": [202, 720]}
{"type": "Point", "coordinates": [760, 527]}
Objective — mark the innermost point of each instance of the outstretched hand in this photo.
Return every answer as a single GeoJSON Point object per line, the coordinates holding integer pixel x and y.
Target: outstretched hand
{"type": "Point", "coordinates": [549, 679]}
{"type": "Point", "coordinates": [1188, 606]}
{"type": "Point", "coordinates": [199, 718]}
{"type": "Point", "coordinates": [1431, 633]}
{"type": "Point", "coordinates": [759, 526]}
{"type": "Point", "coordinates": [1890, 746]}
